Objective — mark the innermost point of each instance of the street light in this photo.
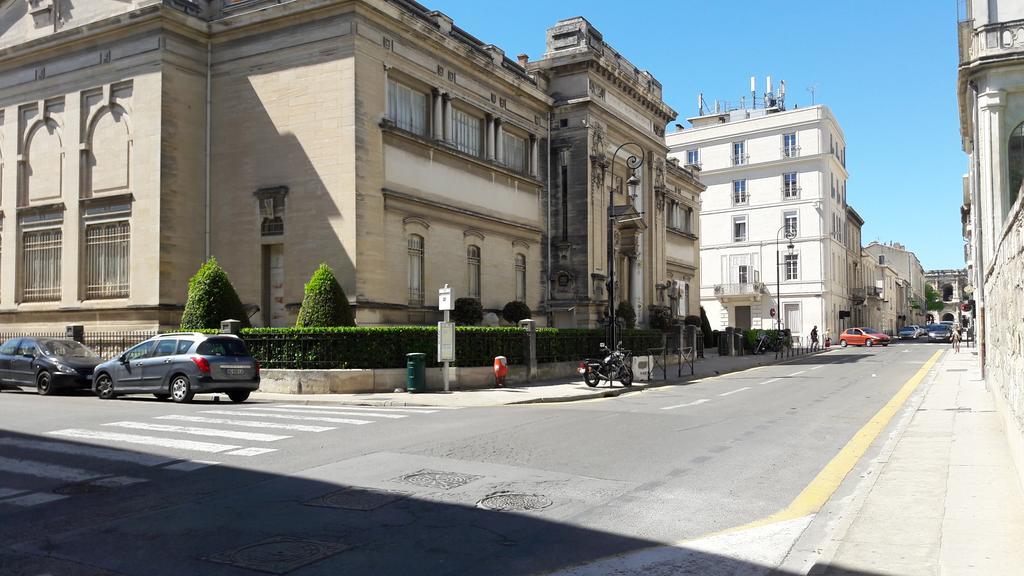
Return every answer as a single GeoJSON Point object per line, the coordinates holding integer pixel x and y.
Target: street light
{"type": "Point", "coordinates": [633, 162]}
{"type": "Point", "coordinates": [790, 235]}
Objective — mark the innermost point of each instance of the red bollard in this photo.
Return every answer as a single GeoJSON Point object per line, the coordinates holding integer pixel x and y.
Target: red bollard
{"type": "Point", "coordinates": [500, 371]}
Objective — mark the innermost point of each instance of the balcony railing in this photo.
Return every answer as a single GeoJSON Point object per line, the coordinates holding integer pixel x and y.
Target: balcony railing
{"type": "Point", "coordinates": [870, 292]}
{"type": "Point", "coordinates": [790, 151]}
{"type": "Point", "coordinates": [991, 40]}
{"type": "Point", "coordinates": [739, 289]}
{"type": "Point", "coordinates": [740, 159]}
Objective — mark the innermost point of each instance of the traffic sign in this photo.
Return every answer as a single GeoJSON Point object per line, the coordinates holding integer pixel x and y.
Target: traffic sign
{"type": "Point", "coordinates": [444, 298]}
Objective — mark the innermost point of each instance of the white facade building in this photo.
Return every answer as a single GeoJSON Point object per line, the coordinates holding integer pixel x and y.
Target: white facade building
{"type": "Point", "coordinates": [766, 169]}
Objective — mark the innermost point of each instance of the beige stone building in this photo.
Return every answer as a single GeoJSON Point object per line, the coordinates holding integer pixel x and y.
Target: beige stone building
{"type": "Point", "coordinates": [139, 137]}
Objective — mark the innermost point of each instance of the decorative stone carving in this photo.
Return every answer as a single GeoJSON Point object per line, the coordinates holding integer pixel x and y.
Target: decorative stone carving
{"type": "Point", "coordinates": [598, 145]}
{"type": "Point", "coordinates": [659, 172]}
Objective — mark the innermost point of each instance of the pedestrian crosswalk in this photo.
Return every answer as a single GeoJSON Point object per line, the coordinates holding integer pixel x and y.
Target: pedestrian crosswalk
{"type": "Point", "coordinates": [124, 453]}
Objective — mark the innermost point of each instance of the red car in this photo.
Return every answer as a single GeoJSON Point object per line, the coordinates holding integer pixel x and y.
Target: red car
{"type": "Point", "coordinates": [863, 337]}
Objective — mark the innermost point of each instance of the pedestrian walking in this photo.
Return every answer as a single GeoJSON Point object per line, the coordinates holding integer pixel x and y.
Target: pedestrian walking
{"type": "Point", "coordinates": [814, 338]}
{"type": "Point", "coordinates": [954, 338]}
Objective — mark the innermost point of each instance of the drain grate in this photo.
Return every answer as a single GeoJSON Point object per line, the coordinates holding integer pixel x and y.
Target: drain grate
{"type": "Point", "coordinates": [514, 502]}
{"type": "Point", "coordinates": [278, 555]}
{"type": "Point", "coordinates": [437, 479]}
{"type": "Point", "coordinates": [357, 499]}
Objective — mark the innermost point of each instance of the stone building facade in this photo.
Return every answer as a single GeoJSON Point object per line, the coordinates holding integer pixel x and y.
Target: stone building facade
{"type": "Point", "coordinates": [950, 285]}
{"type": "Point", "coordinates": [990, 90]}
{"type": "Point", "coordinates": [139, 137]}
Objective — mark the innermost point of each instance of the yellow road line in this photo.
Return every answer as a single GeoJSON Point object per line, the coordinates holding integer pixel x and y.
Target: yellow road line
{"type": "Point", "coordinates": [817, 493]}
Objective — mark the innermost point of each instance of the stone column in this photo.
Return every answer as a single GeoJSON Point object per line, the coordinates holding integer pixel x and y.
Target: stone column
{"type": "Point", "coordinates": [499, 154]}
{"type": "Point", "coordinates": [534, 158]}
{"type": "Point", "coordinates": [991, 105]}
{"type": "Point", "coordinates": [8, 203]}
{"type": "Point", "coordinates": [447, 134]}
{"type": "Point", "coordinates": [489, 139]}
{"type": "Point", "coordinates": [438, 115]}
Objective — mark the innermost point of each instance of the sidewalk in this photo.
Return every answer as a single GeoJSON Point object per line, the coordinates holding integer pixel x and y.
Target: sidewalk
{"type": "Point", "coordinates": [946, 500]}
{"type": "Point", "coordinates": [563, 390]}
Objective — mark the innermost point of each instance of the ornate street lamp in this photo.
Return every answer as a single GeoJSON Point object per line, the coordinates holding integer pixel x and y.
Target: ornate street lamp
{"type": "Point", "coordinates": [790, 235]}
{"type": "Point", "coordinates": [633, 163]}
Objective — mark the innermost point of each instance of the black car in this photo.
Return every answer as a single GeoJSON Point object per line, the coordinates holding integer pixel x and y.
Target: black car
{"type": "Point", "coordinates": [46, 364]}
{"type": "Point", "coordinates": [939, 333]}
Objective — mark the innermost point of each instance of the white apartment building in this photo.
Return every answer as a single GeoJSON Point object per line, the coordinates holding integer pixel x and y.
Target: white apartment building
{"type": "Point", "coordinates": [769, 170]}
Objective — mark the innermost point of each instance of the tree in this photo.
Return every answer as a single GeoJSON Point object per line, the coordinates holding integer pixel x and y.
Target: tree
{"type": "Point", "coordinates": [626, 313]}
{"type": "Point", "coordinates": [705, 327]}
{"type": "Point", "coordinates": [467, 312]}
{"type": "Point", "coordinates": [324, 302]}
{"type": "Point", "coordinates": [932, 299]}
{"type": "Point", "coordinates": [515, 311]}
{"type": "Point", "coordinates": [211, 299]}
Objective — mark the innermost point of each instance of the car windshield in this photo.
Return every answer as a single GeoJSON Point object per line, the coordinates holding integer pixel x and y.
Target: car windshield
{"type": "Point", "coordinates": [66, 349]}
{"type": "Point", "coordinates": [222, 347]}
{"type": "Point", "coordinates": [871, 331]}
{"type": "Point", "coordinates": [907, 329]}
{"type": "Point", "coordinates": [936, 327]}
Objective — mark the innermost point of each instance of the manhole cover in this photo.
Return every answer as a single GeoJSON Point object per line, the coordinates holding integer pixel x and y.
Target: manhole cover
{"type": "Point", "coordinates": [357, 499]}
{"type": "Point", "coordinates": [80, 489]}
{"type": "Point", "coordinates": [435, 479]}
{"type": "Point", "coordinates": [278, 555]}
{"type": "Point", "coordinates": [514, 502]}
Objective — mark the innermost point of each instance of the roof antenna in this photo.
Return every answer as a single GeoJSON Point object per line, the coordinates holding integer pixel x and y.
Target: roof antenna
{"type": "Point", "coordinates": [812, 88]}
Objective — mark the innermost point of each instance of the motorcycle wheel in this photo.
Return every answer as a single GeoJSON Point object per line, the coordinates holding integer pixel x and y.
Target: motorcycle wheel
{"type": "Point", "coordinates": [590, 377]}
{"type": "Point", "coordinates": [626, 376]}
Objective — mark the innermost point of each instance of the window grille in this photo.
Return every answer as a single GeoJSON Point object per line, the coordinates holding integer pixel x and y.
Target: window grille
{"type": "Point", "coordinates": [473, 265]}
{"type": "Point", "coordinates": [467, 132]}
{"type": "Point", "coordinates": [407, 108]}
{"type": "Point", "coordinates": [416, 254]}
{"type": "Point", "coordinates": [107, 247]}
{"type": "Point", "coordinates": [272, 216]}
{"type": "Point", "coordinates": [520, 278]}
{"type": "Point", "coordinates": [41, 251]}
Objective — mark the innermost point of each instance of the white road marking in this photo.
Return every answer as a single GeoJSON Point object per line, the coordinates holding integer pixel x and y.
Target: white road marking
{"type": "Point", "coordinates": [816, 367]}
{"type": "Point", "coordinates": [144, 440]}
{"type": "Point", "coordinates": [34, 499]}
{"type": "Point", "coordinates": [8, 492]}
{"type": "Point", "coordinates": [798, 373]}
{"type": "Point", "coordinates": [90, 451]}
{"type": "Point", "coordinates": [233, 434]}
{"type": "Point", "coordinates": [360, 408]}
{"type": "Point", "coordinates": [190, 465]}
{"type": "Point", "coordinates": [772, 380]}
{"type": "Point", "coordinates": [290, 417]}
{"type": "Point", "coordinates": [694, 403]}
{"type": "Point", "coordinates": [117, 481]}
{"type": "Point", "coordinates": [43, 470]}
{"type": "Point", "coordinates": [246, 423]}
{"type": "Point", "coordinates": [251, 451]}
{"type": "Point", "coordinates": [735, 391]}
{"type": "Point", "coordinates": [325, 412]}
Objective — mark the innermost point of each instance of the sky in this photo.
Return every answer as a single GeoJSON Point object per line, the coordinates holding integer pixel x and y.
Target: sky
{"type": "Point", "coordinates": [886, 69]}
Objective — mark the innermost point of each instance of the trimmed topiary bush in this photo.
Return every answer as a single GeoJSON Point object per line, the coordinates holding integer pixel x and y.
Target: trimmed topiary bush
{"type": "Point", "coordinates": [515, 311]}
{"type": "Point", "coordinates": [625, 312]}
{"type": "Point", "coordinates": [710, 338]}
{"type": "Point", "coordinates": [324, 303]}
{"type": "Point", "coordinates": [211, 299]}
{"type": "Point", "coordinates": [467, 312]}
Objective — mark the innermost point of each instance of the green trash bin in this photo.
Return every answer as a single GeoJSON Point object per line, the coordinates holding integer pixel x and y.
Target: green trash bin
{"type": "Point", "coordinates": [416, 372]}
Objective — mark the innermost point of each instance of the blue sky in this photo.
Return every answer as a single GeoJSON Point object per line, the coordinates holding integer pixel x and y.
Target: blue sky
{"type": "Point", "coordinates": [886, 69]}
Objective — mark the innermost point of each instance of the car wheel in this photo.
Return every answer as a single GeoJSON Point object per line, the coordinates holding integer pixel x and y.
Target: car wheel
{"type": "Point", "coordinates": [105, 387]}
{"type": "Point", "coordinates": [161, 396]}
{"type": "Point", "coordinates": [240, 396]}
{"type": "Point", "coordinates": [842, 344]}
{"type": "Point", "coordinates": [869, 342]}
{"type": "Point", "coordinates": [181, 389]}
{"type": "Point", "coordinates": [44, 383]}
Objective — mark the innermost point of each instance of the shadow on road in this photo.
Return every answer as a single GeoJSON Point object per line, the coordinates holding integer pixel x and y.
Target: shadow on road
{"type": "Point", "coordinates": [227, 520]}
{"type": "Point", "coordinates": [829, 358]}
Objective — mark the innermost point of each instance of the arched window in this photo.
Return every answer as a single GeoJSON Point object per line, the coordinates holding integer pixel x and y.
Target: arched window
{"type": "Point", "coordinates": [473, 267]}
{"type": "Point", "coordinates": [947, 292]}
{"type": "Point", "coordinates": [416, 253]}
{"type": "Point", "coordinates": [1016, 158]}
{"type": "Point", "coordinates": [520, 278]}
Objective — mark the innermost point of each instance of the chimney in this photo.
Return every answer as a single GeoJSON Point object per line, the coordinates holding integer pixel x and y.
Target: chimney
{"type": "Point", "coordinates": [523, 59]}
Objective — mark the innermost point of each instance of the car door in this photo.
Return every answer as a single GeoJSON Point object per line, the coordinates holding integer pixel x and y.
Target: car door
{"type": "Point", "coordinates": [23, 363]}
{"type": "Point", "coordinates": [7, 352]}
{"type": "Point", "coordinates": [128, 374]}
{"type": "Point", "coordinates": [856, 337]}
{"type": "Point", "coordinates": [155, 367]}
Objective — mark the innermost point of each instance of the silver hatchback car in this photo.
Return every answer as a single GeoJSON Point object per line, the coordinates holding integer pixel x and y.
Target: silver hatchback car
{"type": "Point", "coordinates": [179, 366]}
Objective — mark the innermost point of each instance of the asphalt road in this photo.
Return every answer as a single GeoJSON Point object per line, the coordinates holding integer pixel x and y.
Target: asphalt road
{"type": "Point", "coordinates": [143, 487]}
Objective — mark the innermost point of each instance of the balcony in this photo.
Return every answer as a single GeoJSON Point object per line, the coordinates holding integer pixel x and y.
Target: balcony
{"type": "Point", "coordinates": [746, 291]}
{"type": "Point", "coordinates": [740, 159]}
{"type": "Point", "coordinates": [869, 292]}
{"type": "Point", "coordinates": [790, 151]}
{"type": "Point", "coordinates": [991, 41]}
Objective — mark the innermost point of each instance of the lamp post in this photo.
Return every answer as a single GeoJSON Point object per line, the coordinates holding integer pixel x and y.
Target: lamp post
{"type": "Point", "coordinates": [633, 162]}
{"type": "Point", "coordinates": [790, 235]}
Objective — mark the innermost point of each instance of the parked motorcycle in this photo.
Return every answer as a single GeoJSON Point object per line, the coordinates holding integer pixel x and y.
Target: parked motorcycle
{"type": "Point", "coordinates": [616, 365]}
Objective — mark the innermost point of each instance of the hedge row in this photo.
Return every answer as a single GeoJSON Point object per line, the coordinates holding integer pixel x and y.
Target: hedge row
{"type": "Point", "coordinates": [386, 346]}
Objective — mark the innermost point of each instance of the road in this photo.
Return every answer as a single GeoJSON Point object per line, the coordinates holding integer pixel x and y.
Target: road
{"type": "Point", "coordinates": [137, 486]}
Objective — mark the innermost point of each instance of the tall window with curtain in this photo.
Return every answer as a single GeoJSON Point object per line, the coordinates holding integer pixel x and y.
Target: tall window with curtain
{"type": "Point", "coordinates": [473, 268]}
{"type": "Point", "coordinates": [106, 260]}
{"type": "Point", "coordinates": [407, 107]}
{"type": "Point", "coordinates": [416, 252]}
{"type": "Point", "coordinates": [515, 151]}
{"type": "Point", "coordinates": [467, 132]}
{"type": "Point", "coordinates": [40, 267]}
{"type": "Point", "coordinates": [520, 277]}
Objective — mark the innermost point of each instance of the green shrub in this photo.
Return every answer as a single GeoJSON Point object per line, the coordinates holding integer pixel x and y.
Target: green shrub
{"type": "Point", "coordinates": [211, 299]}
{"type": "Point", "coordinates": [324, 302]}
{"type": "Point", "coordinates": [710, 338]}
{"type": "Point", "coordinates": [515, 311]}
{"type": "Point", "coordinates": [626, 313]}
{"type": "Point", "coordinates": [660, 317]}
{"type": "Point", "coordinates": [467, 312]}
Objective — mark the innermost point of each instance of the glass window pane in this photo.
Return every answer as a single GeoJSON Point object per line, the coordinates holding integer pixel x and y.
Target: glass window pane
{"type": "Point", "coordinates": [41, 263]}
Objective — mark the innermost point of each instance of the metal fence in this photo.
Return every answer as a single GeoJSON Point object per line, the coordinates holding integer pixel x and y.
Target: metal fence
{"type": "Point", "coordinates": [106, 344]}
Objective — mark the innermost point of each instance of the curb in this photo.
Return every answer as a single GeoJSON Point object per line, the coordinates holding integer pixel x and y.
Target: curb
{"type": "Point", "coordinates": [598, 393]}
